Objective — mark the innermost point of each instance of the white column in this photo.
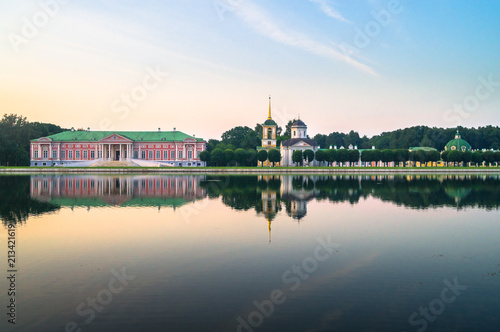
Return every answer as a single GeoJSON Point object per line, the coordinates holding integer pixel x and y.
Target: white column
{"type": "Point", "coordinates": [140, 155]}
{"type": "Point", "coordinates": [59, 152]}
{"type": "Point", "coordinates": [121, 158]}
{"type": "Point", "coordinates": [31, 155]}
{"type": "Point", "coordinates": [176, 152]}
{"type": "Point", "coordinates": [39, 151]}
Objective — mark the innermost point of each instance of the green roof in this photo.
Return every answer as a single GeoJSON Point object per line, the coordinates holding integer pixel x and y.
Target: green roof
{"type": "Point", "coordinates": [458, 144]}
{"type": "Point", "coordinates": [422, 148]}
{"type": "Point", "coordinates": [270, 122]}
{"type": "Point", "coordinates": [148, 136]}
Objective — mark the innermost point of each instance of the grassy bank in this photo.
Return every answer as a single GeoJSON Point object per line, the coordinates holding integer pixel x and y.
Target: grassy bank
{"type": "Point", "coordinates": [250, 170]}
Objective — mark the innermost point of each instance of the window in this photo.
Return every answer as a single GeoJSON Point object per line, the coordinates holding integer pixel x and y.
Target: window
{"type": "Point", "coordinates": [172, 154]}
{"type": "Point", "coordinates": [63, 154]}
{"type": "Point", "coordinates": [269, 133]}
{"type": "Point", "coordinates": [36, 154]}
{"type": "Point", "coordinates": [92, 154]}
{"type": "Point", "coordinates": [165, 155]}
{"type": "Point", "coordinates": [294, 133]}
{"type": "Point", "coordinates": [158, 154]}
{"type": "Point", "coordinates": [150, 155]}
{"type": "Point", "coordinates": [77, 155]}
{"type": "Point", "coordinates": [45, 154]}
{"type": "Point", "coordinates": [190, 154]}
{"type": "Point", "coordinates": [180, 154]}
{"type": "Point", "coordinates": [70, 154]}
{"type": "Point", "coordinates": [143, 154]}
{"type": "Point", "coordinates": [136, 154]}
{"type": "Point", "coordinates": [85, 155]}
{"type": "Point", "coordinates": [54, 154]}
{"type": "Point", "coordinates": [268, 142]}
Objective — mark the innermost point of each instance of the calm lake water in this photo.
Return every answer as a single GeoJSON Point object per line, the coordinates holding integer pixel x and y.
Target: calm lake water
{"type": "Point", "coordinates": [252, 253]}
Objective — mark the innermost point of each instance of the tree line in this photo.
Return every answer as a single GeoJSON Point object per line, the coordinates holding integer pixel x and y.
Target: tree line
{"type": "Point", "coordinates": [15, 135]}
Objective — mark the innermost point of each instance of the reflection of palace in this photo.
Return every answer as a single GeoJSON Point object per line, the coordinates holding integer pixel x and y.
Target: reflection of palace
{"type": "Point", "coordinates": [91, 191]}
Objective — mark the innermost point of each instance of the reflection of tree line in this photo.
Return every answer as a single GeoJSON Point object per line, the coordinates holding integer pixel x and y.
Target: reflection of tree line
{"type": "Point", "coordinates": [16, 204]}
{"type": "Point", "coordinates": [419, 192]}
{"type": "Point", "coordinates": [262, 193]}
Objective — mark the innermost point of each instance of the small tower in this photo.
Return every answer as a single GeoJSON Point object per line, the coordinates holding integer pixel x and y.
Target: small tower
{"type": "Point", "coordinates": [298, 129]}
{"type": "Point", "coordinates": [269, 131]}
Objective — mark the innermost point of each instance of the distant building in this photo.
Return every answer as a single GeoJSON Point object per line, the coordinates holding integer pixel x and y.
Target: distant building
{"type": "Point", "coordinates": [140, 148]}
{"type": "Point", "coordinates": [299, 141]}
{"type": "Point", "coordinates": [458, 144]}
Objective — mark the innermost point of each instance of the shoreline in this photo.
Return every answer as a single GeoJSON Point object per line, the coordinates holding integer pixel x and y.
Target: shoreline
{"type": "Point", "coordinates": [252, 170]}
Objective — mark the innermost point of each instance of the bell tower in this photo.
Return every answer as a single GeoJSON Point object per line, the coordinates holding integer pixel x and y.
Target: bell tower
{"type": "Point", "coordinates": [269, 131]}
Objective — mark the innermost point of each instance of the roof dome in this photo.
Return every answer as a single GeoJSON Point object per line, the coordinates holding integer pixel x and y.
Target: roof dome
{"type": "Point", "coordinates": [298, 123]}
{"type": "Point", "coordinates": [458, 144]}
{"type": "Point", "coordinates": [270, 122]}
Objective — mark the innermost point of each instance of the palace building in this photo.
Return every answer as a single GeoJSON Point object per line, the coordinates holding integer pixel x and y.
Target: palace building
{"type": "Point", "coordinates": [131, 148]}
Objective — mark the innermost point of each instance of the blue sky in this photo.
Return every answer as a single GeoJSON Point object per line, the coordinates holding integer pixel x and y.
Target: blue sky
{"type": "Point", "coordinates": [366, 65]}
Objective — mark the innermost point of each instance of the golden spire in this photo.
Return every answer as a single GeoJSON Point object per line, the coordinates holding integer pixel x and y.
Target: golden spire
{"type": "Point", "coordinates": [269, 227]}
{"type": "Point", "coordinates": [269, 117]}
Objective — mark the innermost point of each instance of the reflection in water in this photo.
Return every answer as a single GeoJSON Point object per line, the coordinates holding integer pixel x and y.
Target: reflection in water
{"type": "Point", "coordinates": [96, 191]}
{"type": "Point", "coordinates": [400, 237]}
{"type": "Point", "coordinates": [266, 194]}
{"type": "Point", "coordinates": [16, 205]}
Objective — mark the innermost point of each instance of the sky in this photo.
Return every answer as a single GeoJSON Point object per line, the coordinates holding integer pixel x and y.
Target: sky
{"type": "Point", "coordinates": [206, 66]}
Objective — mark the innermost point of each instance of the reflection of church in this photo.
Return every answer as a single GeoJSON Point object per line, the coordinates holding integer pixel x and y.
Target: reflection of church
{"type": "Point", "coordinates": [96, 191]}
{"type": "Point", "coordinates": [294, 191]}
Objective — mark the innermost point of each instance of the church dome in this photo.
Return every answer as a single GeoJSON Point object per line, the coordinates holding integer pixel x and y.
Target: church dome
{"type": "Point", "coordinates": [298, 123]}
{"type": "Point", "coordinates": [458, 144]}
{"type": "Point", "coordinates": [270, 122]}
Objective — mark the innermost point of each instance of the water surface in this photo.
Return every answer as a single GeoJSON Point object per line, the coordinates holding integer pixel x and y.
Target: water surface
{"type": "Point", "coordinates": [253, 253]}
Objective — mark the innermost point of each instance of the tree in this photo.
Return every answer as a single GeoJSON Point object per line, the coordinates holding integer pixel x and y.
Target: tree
{"type": "Point", "coordinates": [218, 157]}
{"type": "Point", "coordinates": [288, 128]}
{"type": "Point", "coordinates": [466, 157]}
{"type": "Point", "coordinates": [320, 156]}
{"type": "Point", "coordinates": [251, 157]}
{"type": "Point", "coordinates": [205, 156]}
{"type": "Point", "coordinates": [262, 155]}
{"type": "Point", "coordinates": [251, 140]}
{"type": "Point", "coordinates": [386, 156]}
{"type": "Point", "coordinates": [497, 157]}
{"type": "Point", "coordinates": [308, 155]}
{"type": "Point", "coordinates": [237, 135]}
{"type": "Point", "coordinates": [229, 156]}
{"type": "Point", "coordinates": [240, 156]}
{"type": "Point", "coordinates": [401, 156]}
{"type": "Point", "coordinates": [432, 156]}
{"type": "Point", "coordinates": [274, 156]}
{"type": "Point", "coordinates": [331, 156]}
{"type": "Point", "coordinates": [297, 157]}
{"type": "Point", "coordinates": [444, 156]}
{"type": "Point", "coordinates": [455, 157]}
{"type": "Point", "coordinates": [353, 156]}
{"type": "Point", "coordinates": [477, 157]}
{"type": "Point", "coordinates": [343, 156]}
{"type": "Point", "coordinates": [489, 157]}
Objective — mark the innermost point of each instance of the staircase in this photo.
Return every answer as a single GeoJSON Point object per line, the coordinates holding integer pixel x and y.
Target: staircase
{"type": "Point", "coordinates": [123, 163]}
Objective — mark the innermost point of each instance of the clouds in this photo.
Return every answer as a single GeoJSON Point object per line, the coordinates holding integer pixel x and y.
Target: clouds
{"type": "Point", "coordinates": [263, 23]}
{"type": "Point", "coordinates": [329, 10]}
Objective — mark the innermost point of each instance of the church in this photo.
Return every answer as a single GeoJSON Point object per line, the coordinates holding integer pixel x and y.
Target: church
{"type": "Point", "coordinates": [298, 141]}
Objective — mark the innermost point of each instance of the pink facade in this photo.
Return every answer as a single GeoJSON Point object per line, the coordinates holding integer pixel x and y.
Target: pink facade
{"type": "Point", "coordinates": [45, 152]}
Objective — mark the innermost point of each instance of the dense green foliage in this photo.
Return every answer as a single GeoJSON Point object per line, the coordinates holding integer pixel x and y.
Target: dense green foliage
{"type": "Point", "coordinates": [481, 138]}
{"type": "Point", "coordinates": [15, 135]}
